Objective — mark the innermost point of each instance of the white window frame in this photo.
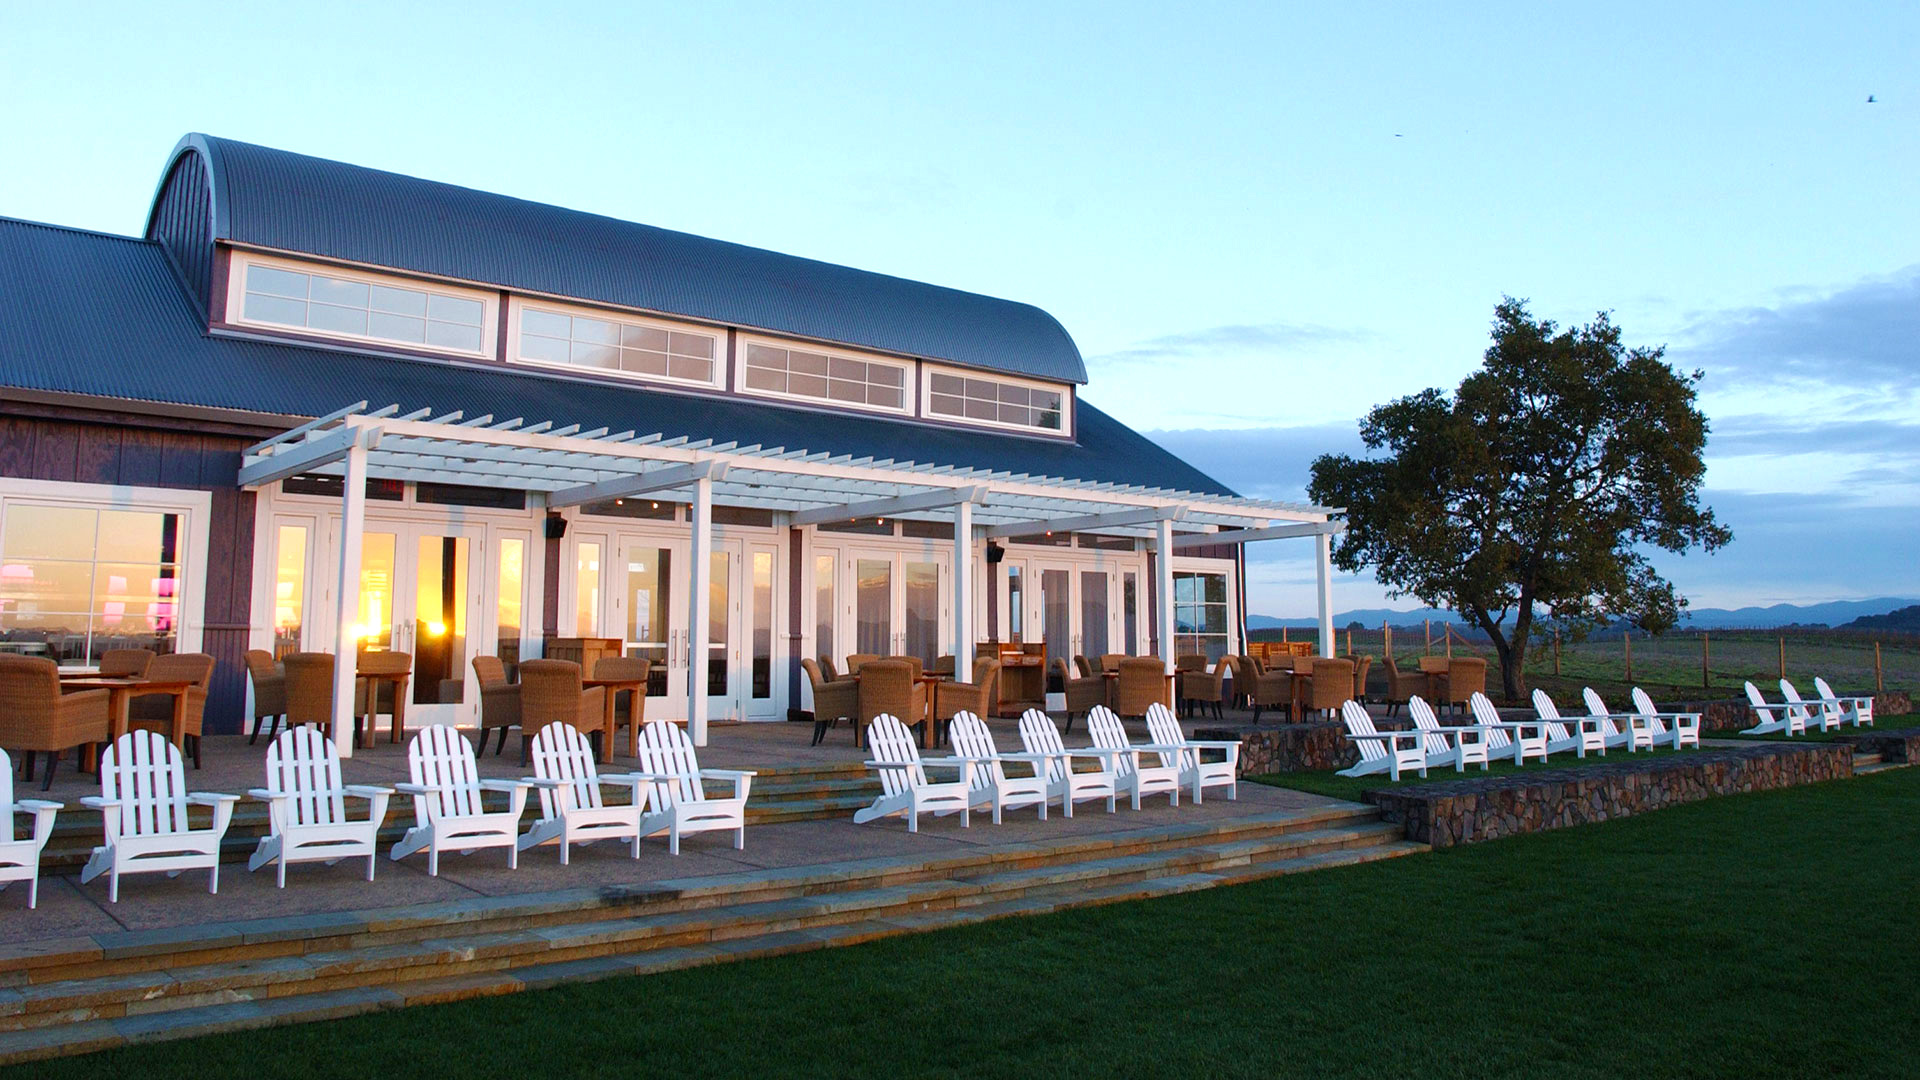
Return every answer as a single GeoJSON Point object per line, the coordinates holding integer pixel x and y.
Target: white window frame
{"type": "Point", "coordinates": [1229, 568]}
{"type": "Point", "coordinates": [790, 344]}
{"type": "Point", "coordinates": [195, 506]}
{"type": "Point", "coordinates": [517, 304]}
{"type": "Point", "coordinates": [237, 300]}
{"type": "Point", "coordinates": [1065, 390]}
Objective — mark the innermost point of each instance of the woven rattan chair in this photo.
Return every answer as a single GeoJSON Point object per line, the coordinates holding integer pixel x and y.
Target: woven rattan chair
{"type": "Point", "coordinates": [1360, 666]}
{"type": "Point", "coordinates": [1403, 686]}
{"type": "Point", "coordinates": [36, 717]}
{"type": "Point", "coordinates": [1329, 687]}
{"type": "Point", "coordinates": [309, 690]}
{"type": "Point", "coordinates": [1267, 689]}
{"type": "Point", "coordinates": [1084, 667]}
{"type": "Point", "coordinates": [499, 700]}
{"type": "Point", "coordinates": [825, 664]}
{"type": "Point", "coordinates": [945, 665]}
{"type": "Point", "coordinates": [388, 696]}
{"type": "Point", "coordinates": [125, 663]}
{"type": "Point", "coordinates": [834, 700]}
{"type": "Point", "coordinates": [634, 713]}
{"type": "Point", "coordinates": [269, 691]}
{"type": "Point", "coordinates": [976, 697]}
{"type": "Point", "coordinates": [1465, 677]}
{"type": "Point", "coordinates": [154, 712]}
{"type": "Point", "coordinates": [1082, 693]}
{"type": "Point", "coordinates": [1111, 661]}
{"type": "Point", "coordinates": [1142, 682]}
{"type": "Point", "coordinates": [551, 692]}
{"type": "Point", "coordinates": [1201, 688]}
{"type": "Point", "coordinates": [859, 660]}
{"type": "Point", "coordinates": [886, 687]}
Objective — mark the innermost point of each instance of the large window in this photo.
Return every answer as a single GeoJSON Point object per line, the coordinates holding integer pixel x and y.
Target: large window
{"type": "Point", "coordinates": [803, 373]}
{"type": "Point", "coordinates": [368, 307]}
{"type": "Point", "coordinates": [999, 402]}
{"type": "Point", "coordinates": [77, 580]}
{"type": "Point", "coordinates": [604, 342]}
{"type": "Point", "coordinates": [1200, 614]}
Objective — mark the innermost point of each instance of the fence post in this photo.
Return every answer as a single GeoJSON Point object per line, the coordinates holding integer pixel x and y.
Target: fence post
{"type": "Point", "coordinates": [1427, 625]}
{"type": "Point", "coordinates": [1878, 686]}
{"type": "Point", "coordinates": [1556, 652]}
{"type": "Point", "coordinates": [1386, 640]}
{"type": "Point", "coordinates": [1626, 641]}
{"type": "Point", "coordinates": [1349, 641]}
{"type": "Point", "coordinates": [1706, 662]}
{"type": "Point", "coordinates": [1283, 635]}
{"type": "Point", "coordinates": [1448, 638]}
{"type": "Point", "coordinates": [1783, 656]}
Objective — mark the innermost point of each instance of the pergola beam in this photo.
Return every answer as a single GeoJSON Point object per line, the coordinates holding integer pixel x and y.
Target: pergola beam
{"type": "Point", "coordinates": [304, 457]}
{"type": "Point", "coordinates": [1144, 515]}
{"type": "Point", "coordinates": [899, 504]}
{"type": "Point", "coordinates": [1248, 536]}
{"type": "Point", "coordinates": [620, 487]}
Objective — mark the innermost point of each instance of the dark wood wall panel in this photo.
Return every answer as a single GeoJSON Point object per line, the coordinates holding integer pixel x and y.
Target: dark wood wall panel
{"type": "Point", "coordinates": [39, 448]}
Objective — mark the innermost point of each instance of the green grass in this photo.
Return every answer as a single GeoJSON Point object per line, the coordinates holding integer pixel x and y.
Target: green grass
{"type": "Point", "coordinates": [1764, 935]}
{"type": "Point", "coordinates": [1350, 788]}
{"type": "Point", "coordinates": [1880, 728]}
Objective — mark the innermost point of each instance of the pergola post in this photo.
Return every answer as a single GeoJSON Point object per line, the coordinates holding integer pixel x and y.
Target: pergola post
{"type": "Point", "coordinates": [1323, 575]}
{"type": "Point", "coordinates": [1163, 588]}
{"type": "Point", "coordinates": [346, 611]}
{"type": "Point", "coordinates": [963, 591]}
{"type": "Point", "coordinates": [699, 650]}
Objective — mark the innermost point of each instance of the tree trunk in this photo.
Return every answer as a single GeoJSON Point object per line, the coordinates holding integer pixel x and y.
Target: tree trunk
{"type": "Point", "coordinates": [1511, 649]}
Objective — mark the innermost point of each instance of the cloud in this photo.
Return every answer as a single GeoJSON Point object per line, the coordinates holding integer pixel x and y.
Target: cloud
{"type": "Point", "coordinates": [1241, 338]}
{"type": "Point", "coordinates": [1770, 434]}
{"type": "Point", "coordinates": [1861, 337]}
{"type": "Point", "coordinates": [1262, 463]}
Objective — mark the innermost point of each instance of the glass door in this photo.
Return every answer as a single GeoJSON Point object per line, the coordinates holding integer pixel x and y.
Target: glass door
{"type": "Point", "coordinates": [418, 593]}
{"type": "Point", "coordinates": [651, 575]}
{"type": "Point", "coordinates": [898, 604]}
{"type": "Point", "coordinates": [653, 624]}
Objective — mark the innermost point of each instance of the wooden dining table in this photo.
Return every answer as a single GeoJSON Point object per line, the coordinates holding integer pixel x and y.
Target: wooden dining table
{"type": "Point", "coordinates": [120, 695]}
{"type": "Point", "coordinates": [399, 680]}
{"type": "Point", "coordinates": [613, 688]}
{"type": "Point", "coordinates": [928, 680]}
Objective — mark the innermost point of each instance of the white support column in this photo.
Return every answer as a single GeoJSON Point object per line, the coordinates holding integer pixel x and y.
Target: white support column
{"type": "Point", "coordinates": [346, 596]}
{"type": "Point", "coordinates": [1323, 574]}
{"type": "Point", "coordinates": [1163, 589]}
{"type": "Point", "coordinates": [963, 591]}
{"type": "Point", "coordinates": [698, 651]}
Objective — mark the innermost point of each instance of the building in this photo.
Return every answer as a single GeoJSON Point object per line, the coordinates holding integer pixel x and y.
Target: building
{"type": "Point", "coordinates": [545, 424]}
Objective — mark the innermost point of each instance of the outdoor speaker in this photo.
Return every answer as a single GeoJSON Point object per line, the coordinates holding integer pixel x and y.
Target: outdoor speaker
{"type": "Point", "coordinates": [556, 527]}
{"type": "Point", "coordinates": [995, 553]}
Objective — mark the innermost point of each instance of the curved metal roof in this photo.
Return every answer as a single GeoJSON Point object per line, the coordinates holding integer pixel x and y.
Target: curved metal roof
{"type": "Point", "coordinates": [292, 202]}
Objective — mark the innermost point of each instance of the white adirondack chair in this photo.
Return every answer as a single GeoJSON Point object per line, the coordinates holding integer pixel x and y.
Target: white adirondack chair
{"type": "Point", "coordinates": [1041, 738]}
{"type": "Point", "coordinates": [306, 806]}
{"type": "Point", "coordinates": [1455, 746]}
{"type": "Point", "coordinates": [1858, 709]}
{"type": "Point", "coordinates": [1781, 719]}
{"type": "Point", "coordinates": [20, 856]}
{"type": "Point", "coordinates": [991, 784]}
{"type": "Point", "coordinates": [1686, 725]}
{"type": "Point", "coordinates": [677, 803]}
{"type": "Point", "coordinates": [1518, 739]}
{"type": "Point", "coordinates": [1131, 774]}
{"type": "Point", "coordinates": [572, 810]}
{"type": "Point", "coordinates": [1815, 713]}
{"type": "Point", "coordinates": [1636, 735]}
{"type": "Point", "coordinates": [449, 810]}
{"type": "Point", "coordinates": [1390, 752]}
{"type": "Point", "coordinates": [1584, 734]}
{"type": "Point", "coordinates": [1195, 772]}
{"type": "Point", "coordinates": [905, 788]}
{"type": "Point", "coordinates": [143, 802]}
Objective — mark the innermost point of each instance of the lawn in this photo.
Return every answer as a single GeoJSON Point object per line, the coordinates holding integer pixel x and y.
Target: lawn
{"type": "Point", "coordinates": [1350, 788]}
{"type": "Point", "coordinates": [1762, 935]}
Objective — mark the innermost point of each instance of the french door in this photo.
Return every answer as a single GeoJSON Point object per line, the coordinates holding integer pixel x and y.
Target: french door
{"type": "Point", "coordinates": [1077, 607]}
{"type": "Point", "coordinates": [892, 603]}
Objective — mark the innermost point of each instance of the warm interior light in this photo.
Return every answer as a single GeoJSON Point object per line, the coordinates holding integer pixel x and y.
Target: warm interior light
{"type": "Point", "coordinates": [437, 629]}
{"type": "Point", "coordinates": [619, 502]}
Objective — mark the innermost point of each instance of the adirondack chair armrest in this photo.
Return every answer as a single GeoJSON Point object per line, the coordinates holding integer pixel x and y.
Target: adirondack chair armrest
{"type": "Point", "coordinates": [99, 802]}
{"type": "Point", "coordinates": [267, 794]}
{"type": "Point", "coordinates": [1102, 752]}
{"type": "Point", "coordinates": [1159, 748]}
{"type": "Point", "coordinates": [726, 774]}
{"type": "Point", "coordinates": [626, 780]}
{"type": "Point", "coordinates": [535, 781]}
{"type": "Point", "coordinates": [1213, 744]}
{"type": "Point", "coordinates": [1393, 736]}
{"type": "Point", "coordinates": [212, 798]}
{"type": "Point", "coordinates": [418, 789]}
{"type": "Point", "coordinates": [37, 806]}
{"type": "Point", "coordinates": [1028, 756]}
{"type": "Point", "coordinates": [955, 762]}
{"type": "Point", "coordinates": [368, 791]}
{"type": "Point", "coordinates": [503, 785]}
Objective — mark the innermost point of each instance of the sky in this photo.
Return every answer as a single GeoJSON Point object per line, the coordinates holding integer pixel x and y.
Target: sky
{"type": "Point", "coordinates": [1257, 220]}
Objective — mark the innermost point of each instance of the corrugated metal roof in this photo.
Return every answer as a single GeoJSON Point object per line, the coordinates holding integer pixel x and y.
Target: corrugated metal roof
{"type": "Point", "coordinates": [88, 313]}
{"type": "Point", "coordinates": [293, 202]}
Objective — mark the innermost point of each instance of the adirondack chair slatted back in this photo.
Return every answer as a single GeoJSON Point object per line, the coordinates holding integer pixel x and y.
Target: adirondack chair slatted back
{"type": "Point", "coordinates": [142, 771]}
{"type": "Point", "coordinates": [1643, 705]}
{"type": "Point", "coordinates": [441, 757]}
{"type": "Point", "coordinates": [1162, 728]}
{"type": "Point", "coordinates": [1756, 699]}
{"type": "Point", "coordinates": [303, 763]}
{"type": "Point", "coordinates": [1108, 734]}
{"type": "Point", "coordinates": [1359, 723]}
{"type": "Point", "coordinates": [971, 738]}
{"type": "Point", "coordinates": [561, 753]}
{"type": "Point", "coordinates": [1597, 707]}
{"type": "Point", "coordinates": [1039, 736]}
{"type": "Point", "coordinates": [1796, 705]}
{"type": "Point", "coordinates": [1433, 742]}
{"type": "Point", "coordinates": [1485, 713]}
{"type": "Point", "coordinates": [1861, 706]}
{"type": "Point", "coordinates": [1544, 707]}
{"type": "Point", "coordinates": [892, 743]}
{"type": "Point", "coordinates": [666, 751]}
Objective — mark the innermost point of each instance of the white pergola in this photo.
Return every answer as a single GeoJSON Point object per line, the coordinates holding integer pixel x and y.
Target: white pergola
{"type": "Point", "coordinates": [566, 466]}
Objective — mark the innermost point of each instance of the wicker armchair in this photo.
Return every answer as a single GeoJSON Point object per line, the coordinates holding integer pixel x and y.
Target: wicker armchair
{"type": "Point", "coordinates": [886, 686]}
{"type": "Point", "coordinates": [1082, 694]}
{"type": "Point", "coordinates": [1403, 685]}
{"type": "Point", "coordinates": [1360, 666]}
{"type": "Point", "coordinates": [309, 692]}
{"type": "Point", "coordinates": [1111, 661]}
{"type": "Point", "coordinates": [634, 713]}
{"type": "Point", "coordinates": [1084, 667]}
{"type": "Point", "coordinates": [858, 660]}
{"type": "Point", "coordinates": [1329, 687]}
{"type": "Point", "coordinates": [269, 691]}
{"type": "Point", "coordinates": [1266, 689]}
{"type": "Point", "coordinates": [551, 692]}
{"type": "Point", "coordinates": [834, 700]}
{"type": "Point", "coordinates": [125, 663]}
{"type": "Point", "coordinates": [945, 665]}
{"type": "Point", "coordinates": [499, 700]}
{"type": "Point", "coordinates": [1464, 678]}
{"type": "Point", "coordinates": [154, 712]}
{"type": "Point", "coordinates": [1142, 682]}
{"type": "Point", "coordinates": [35, 716]}
{"type": "Point", "coordinates": [977, 697]}
{"type": "Point", "coordinates": [1202, 688]}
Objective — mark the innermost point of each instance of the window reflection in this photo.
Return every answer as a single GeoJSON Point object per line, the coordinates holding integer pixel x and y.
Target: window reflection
{"type": "Point", "coordinates": [77, 581]}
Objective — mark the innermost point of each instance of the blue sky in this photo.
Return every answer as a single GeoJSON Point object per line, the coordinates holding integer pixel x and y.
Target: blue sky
{"type": "Point", "coordinates": [1257, 220]}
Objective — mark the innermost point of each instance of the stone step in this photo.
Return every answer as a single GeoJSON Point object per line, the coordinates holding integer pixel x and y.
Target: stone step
{"type": "Point", "coordinates": [244, 1001]}
{"type": "Point", "coordinates": [1865, 758]}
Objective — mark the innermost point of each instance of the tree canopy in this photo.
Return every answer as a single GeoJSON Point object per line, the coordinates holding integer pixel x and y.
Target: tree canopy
{"type": "Point", "coordinates": [1543, 481]}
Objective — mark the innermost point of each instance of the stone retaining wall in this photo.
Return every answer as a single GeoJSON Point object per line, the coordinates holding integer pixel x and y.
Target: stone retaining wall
{"type": "Point", "coordinates": [1272, 748]}
{"type": "Point", "coordinates": [1733, 714]}
{"type": "Point", "coordinates": [1468, 811]}
{"type": "Point", "coordinates": [1892, 746]}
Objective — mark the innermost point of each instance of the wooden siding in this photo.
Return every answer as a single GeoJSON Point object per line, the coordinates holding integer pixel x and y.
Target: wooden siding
{"type": "Point", "coordinates": [182, 223]}
{"type": "Point", "coordinates": [40, 448]}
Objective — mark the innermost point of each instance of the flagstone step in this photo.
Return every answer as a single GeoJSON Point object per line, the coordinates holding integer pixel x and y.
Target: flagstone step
{"type": "Point", "coordinates": [111, 1011]}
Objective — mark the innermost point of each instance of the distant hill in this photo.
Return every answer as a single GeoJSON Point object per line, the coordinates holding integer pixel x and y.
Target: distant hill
{"type": "Point", "coordinates": [1906, 619]}
{"type": "Point", "coordinates": [1833, 613]}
